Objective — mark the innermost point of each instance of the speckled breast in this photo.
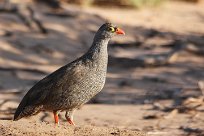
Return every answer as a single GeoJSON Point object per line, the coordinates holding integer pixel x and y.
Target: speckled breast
{"type": "Point", "coordinates": [81, 92]}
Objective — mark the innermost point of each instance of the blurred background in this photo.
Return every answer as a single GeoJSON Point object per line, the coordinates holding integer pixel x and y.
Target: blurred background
{"type": "Point", "coordinates": [155, 80]}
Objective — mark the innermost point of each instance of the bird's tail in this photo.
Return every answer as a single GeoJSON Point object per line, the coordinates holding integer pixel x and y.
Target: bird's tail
{"type": "Point", "coordinates": [26, 112]}
{"type": "Point", "coordinates": [17, 116]}
{"type": "Point", "coordinates": [19, 111]}
{"type": "Point", "coordinates": [25, 109]}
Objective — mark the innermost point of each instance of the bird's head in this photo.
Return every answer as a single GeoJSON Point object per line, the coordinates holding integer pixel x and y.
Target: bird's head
{"type": "Point", "coordinates": [109, 30]}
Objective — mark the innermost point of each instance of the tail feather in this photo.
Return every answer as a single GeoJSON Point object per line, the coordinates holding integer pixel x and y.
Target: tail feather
{"type": "Point", "coordinates": [18, 114]}
{"type": "Point", "coordinates": [25, 109]}
{"type": "Point", "coordinates": [27, 112]}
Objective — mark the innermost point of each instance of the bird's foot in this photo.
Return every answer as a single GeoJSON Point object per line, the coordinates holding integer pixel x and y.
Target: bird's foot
{"type": "Point", "coordinates": [57, 123]}
{"type": "Point", "coordinates": [69, 117]}
{"type": "Point", "coordinates": [71, 121]}
{"type": "Point", "coordinates": [56, 118]}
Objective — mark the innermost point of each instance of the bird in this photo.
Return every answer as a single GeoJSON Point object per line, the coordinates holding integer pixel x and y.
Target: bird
{"type": "Point", "coordinates": [72, 85]}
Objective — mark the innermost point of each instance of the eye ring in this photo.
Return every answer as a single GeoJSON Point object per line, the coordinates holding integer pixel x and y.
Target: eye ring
{"type": "Point", "coordinates": [112, 29]}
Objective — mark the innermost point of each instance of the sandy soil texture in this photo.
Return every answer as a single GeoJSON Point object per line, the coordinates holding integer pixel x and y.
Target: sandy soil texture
{"type": "Point", "coordinates": [46, 129]}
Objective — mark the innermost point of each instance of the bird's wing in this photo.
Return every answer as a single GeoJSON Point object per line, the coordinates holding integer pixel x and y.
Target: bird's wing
{"type": "Point", "coordinates": [57, 81]}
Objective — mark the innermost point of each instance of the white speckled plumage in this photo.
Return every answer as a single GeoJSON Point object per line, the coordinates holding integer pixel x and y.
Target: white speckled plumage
{"type": "Point", "coordinates": [73, 84]}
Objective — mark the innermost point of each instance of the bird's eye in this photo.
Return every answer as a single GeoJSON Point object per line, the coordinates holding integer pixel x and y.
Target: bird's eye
{"type": "Point", "coordinates": [111, 29]}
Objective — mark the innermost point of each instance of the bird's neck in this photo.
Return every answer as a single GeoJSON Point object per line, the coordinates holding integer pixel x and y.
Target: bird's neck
{"type": "Point", "coordinates": [98, 51]}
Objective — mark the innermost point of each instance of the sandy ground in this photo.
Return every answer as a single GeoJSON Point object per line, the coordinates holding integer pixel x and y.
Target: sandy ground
{"type": "Point", "coordinates": [45, 129]}
{"type": "Point", "coordinates": [135, 100]}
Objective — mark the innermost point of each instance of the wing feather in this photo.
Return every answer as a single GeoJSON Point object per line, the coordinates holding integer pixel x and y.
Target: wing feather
{"type": "Point", "coordinates": [67, 74]}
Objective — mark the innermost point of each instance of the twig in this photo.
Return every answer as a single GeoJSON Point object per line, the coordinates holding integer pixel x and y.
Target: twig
{"type": "Point", "coordinates": [195, 49]}
{"type": "Point", "coordinates": [37, 21]}
{"type": "Point", "coordinates": [148, 60]}
{"type": "Point", "coordinates": [23, 69]}
{"type": "Point", "coordinates": [27, 20]}
{"type": "Point", "coordinates": [11, 91]}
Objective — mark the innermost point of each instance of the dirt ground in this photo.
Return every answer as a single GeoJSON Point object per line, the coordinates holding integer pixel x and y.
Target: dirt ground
{"type": "Point", "coordinates": [144, 93]}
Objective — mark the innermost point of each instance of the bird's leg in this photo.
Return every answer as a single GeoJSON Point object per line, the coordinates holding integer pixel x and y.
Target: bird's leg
{"type": "Point", "coordinates": [56, 117]}
{"type": "Point", "coordinates": [69, 117]}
